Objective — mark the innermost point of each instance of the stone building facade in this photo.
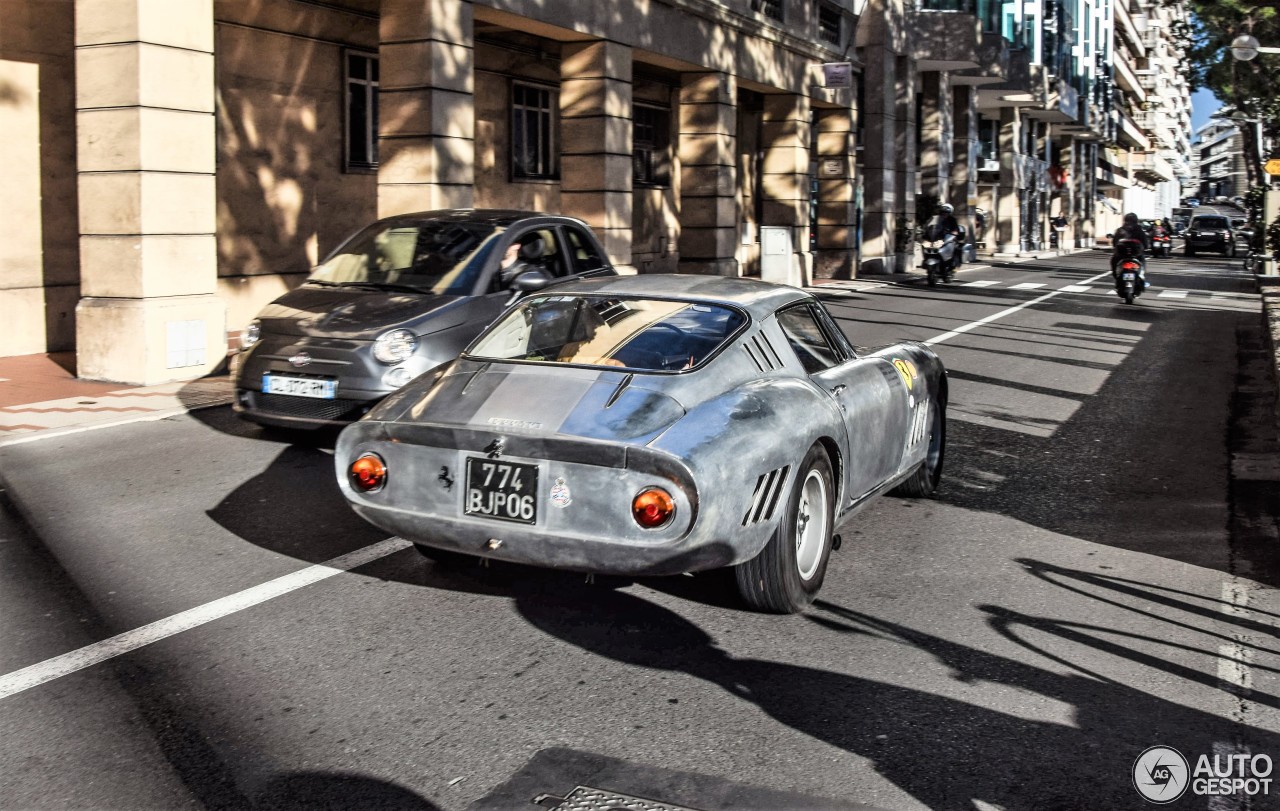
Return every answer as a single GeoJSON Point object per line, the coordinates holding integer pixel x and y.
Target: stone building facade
{"type": "Point", "coordinates": [179, 164]}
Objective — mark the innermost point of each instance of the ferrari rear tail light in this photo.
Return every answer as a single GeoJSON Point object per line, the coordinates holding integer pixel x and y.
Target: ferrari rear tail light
{"type": "Point", "coordinates": [652, 508]}
{"type": "Point", "coordinates": [368, 473]}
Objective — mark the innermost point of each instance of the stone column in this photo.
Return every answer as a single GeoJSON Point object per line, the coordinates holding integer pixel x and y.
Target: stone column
{"type": "Point", "coordinates": [708, 174]}
{"type": "Point", "coordinates": [935, 140]}
{"type": "Point", "coordinates": [426, 106]}
{"type": "Point", "coordinates": [964, 168]}
{"type": "Point", "coordinates": [596, 131]}
{"type": "Point", "coordinates": [785, 175]}
{"type": "Point", "coordinates": [837, 214]}
{"type": "Point", "coordinates": [145, 160]}
{"type": "Point", "coordinates": [1008, 219]}
{"type": "Point", "coordinates": [888, 158]}
{"type": "Point", "coordinates": [22, 286]}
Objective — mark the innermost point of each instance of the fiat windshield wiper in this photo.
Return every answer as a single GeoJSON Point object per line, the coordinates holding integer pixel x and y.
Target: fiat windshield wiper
{"type": "Point", "coordinates": [400, 288]}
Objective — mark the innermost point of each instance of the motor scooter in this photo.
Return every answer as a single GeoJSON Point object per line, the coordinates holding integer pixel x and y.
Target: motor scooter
{"type": "Point", "coordinates": [1160, 242]}
{"type": "Point", "coordinates": [941, 254]}
{"type": "Point", "coordinates": [1130, 270]}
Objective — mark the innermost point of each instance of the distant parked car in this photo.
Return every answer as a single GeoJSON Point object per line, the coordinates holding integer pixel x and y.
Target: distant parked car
{"type": "Point", "coordinates": [1191, 202]}
{"type": "Point", "coordinates": [1213, 232]}
{"type": "Point", "coordinates": [396, 300]}
{"type": "Point", "coordinates": [1179, 226]}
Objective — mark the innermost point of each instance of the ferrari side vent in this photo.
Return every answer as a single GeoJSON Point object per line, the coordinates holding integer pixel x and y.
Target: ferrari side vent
{"type": "Point", "coordinates": [762, 353]}
{"type": "Point", "coordinates": [765, 498]}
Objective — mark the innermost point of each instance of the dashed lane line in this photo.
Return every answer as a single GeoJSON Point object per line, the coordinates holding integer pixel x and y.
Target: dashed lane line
{"type": "Point", "coordinates": [946, 336]}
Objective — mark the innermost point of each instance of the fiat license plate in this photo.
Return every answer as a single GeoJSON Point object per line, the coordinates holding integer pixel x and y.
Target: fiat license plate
{"type": "Point", "coordinates": [299, 386]}
{"type": "Point", "coordinates": [507, 491]}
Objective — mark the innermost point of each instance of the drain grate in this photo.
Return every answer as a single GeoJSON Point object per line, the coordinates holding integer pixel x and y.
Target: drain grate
{"type": "Point", "coordinates": [585, 798]}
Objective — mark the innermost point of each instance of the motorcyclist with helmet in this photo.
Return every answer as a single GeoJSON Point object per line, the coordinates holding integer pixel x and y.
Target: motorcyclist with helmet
{"type": "Point", "coordinates": [1125, 237]}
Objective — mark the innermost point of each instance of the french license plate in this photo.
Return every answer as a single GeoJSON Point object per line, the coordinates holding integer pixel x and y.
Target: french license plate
{"type": "Point", "coordinates": [1128, 277]}
{"type": "Point", "coordinates": [299, 386]}
{"type": "Point", "coordinates": [507, 491]}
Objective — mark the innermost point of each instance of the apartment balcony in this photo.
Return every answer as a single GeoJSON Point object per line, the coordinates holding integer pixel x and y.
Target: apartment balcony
{"type": "Point", "coordinates": [1128, 133]}
{"type": "Point", "coordinates": [1111, 170]}
{"type": "Point", "coordinates": [1128, 80]}
{"type": "Point", "coordinates": [1024, 85]}
{"type": "Point", "coordinates": [1150, 167]}
{"type": "Point", "coordinates": [945, 38]}
{"type": "Point", "coordinates": [995, 60]}
{"type": "Point", "coordinates": [1062, 104]}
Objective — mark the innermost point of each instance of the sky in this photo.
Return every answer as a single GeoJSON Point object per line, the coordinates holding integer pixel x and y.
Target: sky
{"type": "Point", "coordinates": [1203, 105]}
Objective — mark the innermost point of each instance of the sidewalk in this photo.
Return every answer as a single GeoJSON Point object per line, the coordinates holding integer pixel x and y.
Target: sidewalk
{"type": "Point", "coordinates": [39, 395]}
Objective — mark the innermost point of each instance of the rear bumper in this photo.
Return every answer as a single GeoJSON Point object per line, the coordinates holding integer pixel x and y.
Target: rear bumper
{"type": "Point", "coordinates": [594, 531]}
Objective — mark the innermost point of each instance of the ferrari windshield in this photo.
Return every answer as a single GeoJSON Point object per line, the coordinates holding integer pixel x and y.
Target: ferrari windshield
{"type": "Point", "coordinates": [429, 257]}
{"type": "Point", "coordinates": [648, 335]}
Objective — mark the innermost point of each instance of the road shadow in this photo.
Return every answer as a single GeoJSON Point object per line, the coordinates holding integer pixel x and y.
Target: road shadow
{"type": "Point", "coordinates": [945, 752]}
{"type": "Point", "coordinates": [333, 791]}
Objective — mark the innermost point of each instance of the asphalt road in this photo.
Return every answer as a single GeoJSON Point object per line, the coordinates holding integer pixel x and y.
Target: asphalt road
{"type": "Point", "coordinates": [1072, 597]}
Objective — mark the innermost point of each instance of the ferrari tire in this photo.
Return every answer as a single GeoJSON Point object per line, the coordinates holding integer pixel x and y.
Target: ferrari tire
{"type": "Point", "coordinates": [786, 575]}
{"type": "Point", "coordinates": [923, 481]}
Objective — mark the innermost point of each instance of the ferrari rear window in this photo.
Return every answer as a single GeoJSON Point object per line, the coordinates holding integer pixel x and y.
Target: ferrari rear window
{"type": "Point", "coordinates": [641, 334]}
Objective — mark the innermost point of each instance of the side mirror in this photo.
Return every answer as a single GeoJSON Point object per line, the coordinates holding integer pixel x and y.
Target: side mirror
{"type": "Point", "coordinates": [530, 281]}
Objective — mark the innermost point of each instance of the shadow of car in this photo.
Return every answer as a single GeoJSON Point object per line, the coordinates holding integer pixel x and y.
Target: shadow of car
{"type": "Point", "coordinates": [398, 299]}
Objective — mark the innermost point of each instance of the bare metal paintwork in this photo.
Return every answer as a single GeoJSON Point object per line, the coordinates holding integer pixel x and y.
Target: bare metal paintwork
{"type": "Point", "coordinates": [725, 440]}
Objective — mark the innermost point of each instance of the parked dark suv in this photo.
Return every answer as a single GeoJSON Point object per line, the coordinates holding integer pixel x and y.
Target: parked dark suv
{"type": "Point", "coordinates": [398, 299]}
{"type": "Point", "coordinates": [1213, 232]}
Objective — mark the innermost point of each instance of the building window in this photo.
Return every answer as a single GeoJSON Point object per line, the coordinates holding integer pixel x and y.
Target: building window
{"type": "Point", "coordinates": [362, 111]}
{"type": "Point", "coordinates": [533, 132]}
{"type": "Point", "coordinates": [651, 145]}
{"type": "Point", "coordinates": [769, 8]}
{"type": "Point", "coordinates": [829, 24]}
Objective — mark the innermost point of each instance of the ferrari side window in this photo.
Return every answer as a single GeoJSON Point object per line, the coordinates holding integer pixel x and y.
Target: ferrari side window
{"type": "Point", "coordinates": [807, 339]}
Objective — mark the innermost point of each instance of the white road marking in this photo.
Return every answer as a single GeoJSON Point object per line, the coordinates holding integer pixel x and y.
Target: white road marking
{"type": "Point", "coordinates": [946, 336]}
{"type": "Point", "coordinates": [1077, 288]}
{"type": "Point", "coordinates": [1172, 294]}
{"type": "Point", "coordinates": [983, 283]}
{"type": "Point", "coordinates": [99, 652]}
{"type": "Point", "coordinates": [1236, 801]}
{"type": "Point", "coordinates": [1028, 286]}
{"type": "Point", "coordinates": [1233, 666]}
{"type": "Point", "coordinates": [1235, 599]}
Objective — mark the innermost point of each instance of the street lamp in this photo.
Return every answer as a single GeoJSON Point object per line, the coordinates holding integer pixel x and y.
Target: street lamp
{"type": "Point", "coordinates": [1246, 47]}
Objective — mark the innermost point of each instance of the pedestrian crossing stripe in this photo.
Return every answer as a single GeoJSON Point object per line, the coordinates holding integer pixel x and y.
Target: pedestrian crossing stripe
{"type": "Point", "coordinates": [1173, 294]}
{"type": "Point", "coordinates": [1077, 288]}
{"type": "Point", "coordinates": [1029, 286]}
{"type": "Point", "coordinates": [984, 283]}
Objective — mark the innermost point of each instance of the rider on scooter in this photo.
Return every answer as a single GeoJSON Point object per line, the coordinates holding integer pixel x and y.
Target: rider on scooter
{"type": "Point", "coordinates": [1131, 231]}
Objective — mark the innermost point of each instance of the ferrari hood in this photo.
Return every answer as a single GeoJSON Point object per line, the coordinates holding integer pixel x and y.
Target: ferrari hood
{"type": "Point", "coordinates": [543, 400]}
{"type": "Point", "coordinates": [354, 313]}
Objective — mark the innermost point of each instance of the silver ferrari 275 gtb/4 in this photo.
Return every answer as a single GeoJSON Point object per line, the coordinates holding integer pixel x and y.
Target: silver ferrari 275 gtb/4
{"type": "Point", "coordinates": [650, 425]}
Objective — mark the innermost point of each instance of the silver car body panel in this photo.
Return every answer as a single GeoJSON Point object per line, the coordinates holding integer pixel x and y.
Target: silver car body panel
{"type": "Point", "coordinates": [724, 440]}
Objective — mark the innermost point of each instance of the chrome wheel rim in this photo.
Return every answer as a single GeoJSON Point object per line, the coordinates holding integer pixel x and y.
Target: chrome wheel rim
{"type": "Point", "coordinates": [811, 524]}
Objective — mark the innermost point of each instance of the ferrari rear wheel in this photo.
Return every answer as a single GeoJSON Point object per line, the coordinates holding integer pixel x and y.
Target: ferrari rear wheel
{"type": "Point", "coordinates": [924, 479]}
{"type": "Point", "coordinates": [786, 575]}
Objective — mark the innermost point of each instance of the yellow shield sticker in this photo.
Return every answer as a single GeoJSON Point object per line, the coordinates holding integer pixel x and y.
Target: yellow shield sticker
{"type": "Point", "coordinates": [908, 371]}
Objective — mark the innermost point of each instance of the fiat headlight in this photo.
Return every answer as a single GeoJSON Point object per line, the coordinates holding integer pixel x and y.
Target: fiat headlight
{"type": "Point", "coordinates": [250, 334]}
{"type": "Point", "coordinates": [394, 346]}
